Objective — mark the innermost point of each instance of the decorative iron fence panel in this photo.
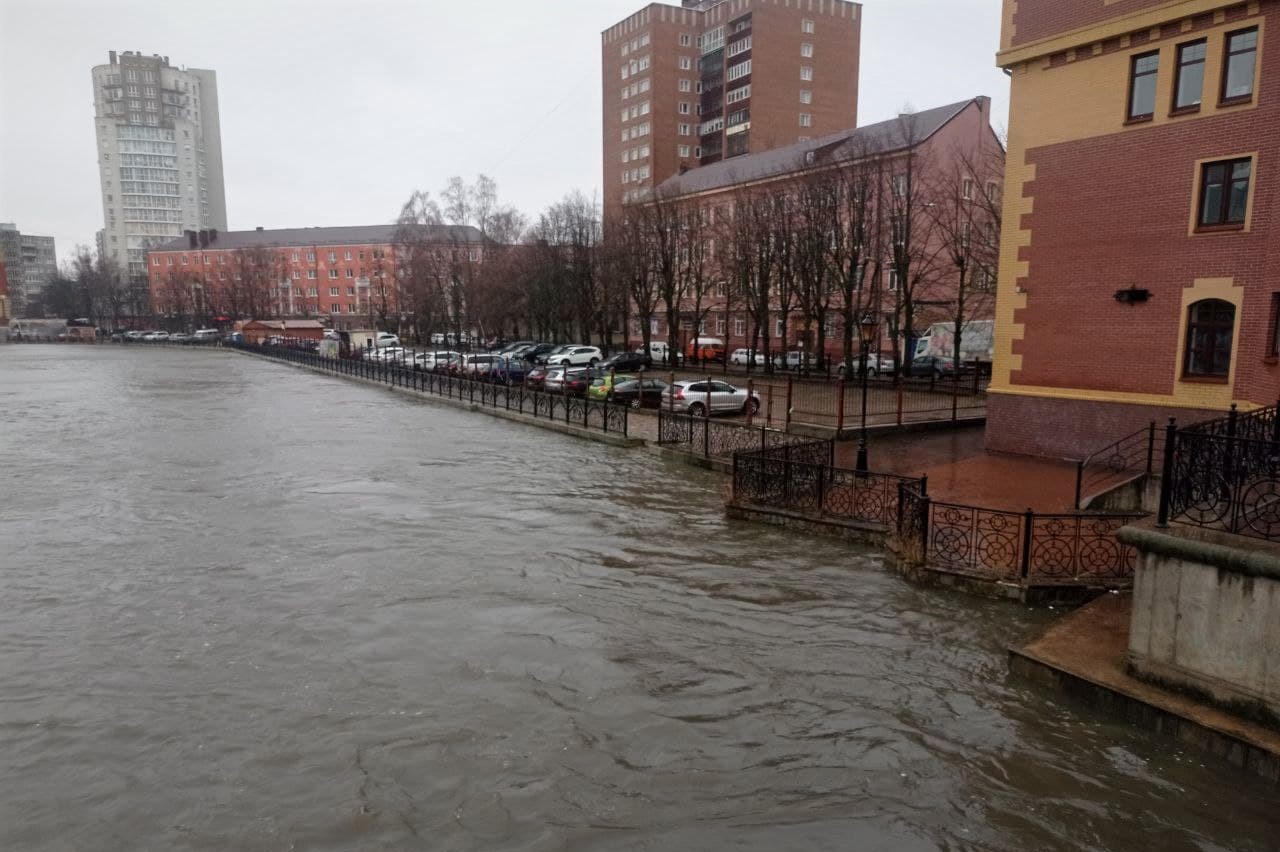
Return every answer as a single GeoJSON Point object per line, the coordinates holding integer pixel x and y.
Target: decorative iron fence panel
{"type": "Point", "coordinates": [1226, 483]}
{"type": "Point", "coordinates": [719, 439]}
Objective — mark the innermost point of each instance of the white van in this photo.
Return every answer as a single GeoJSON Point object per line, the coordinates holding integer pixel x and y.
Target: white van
{"type": "Point", "coordinates": [659, 354]}
{"type": "Point", "coordinates": [205, 335]}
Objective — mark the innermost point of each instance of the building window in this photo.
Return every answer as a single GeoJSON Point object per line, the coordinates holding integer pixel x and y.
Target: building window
{"type": "Point", "coordinates": [1210, 326]}
{"type": "Point", "coordinates": [1224, 192]}
{"type": "Point", "coordinates": [806, 50]}
{"type": "Point", "coordinates": [966, 189]}
{"type": "Point", "coordinates": [806, 96]}
{"type": "Point", "coordinates": [1189, 86]}
{"type": "Point", "coordinates": [683, 150]}
{"type": "Point", "coordinates": [697, 150]}
{"type": "Point", "coordinates": [311, 273]}
{"type": "Point", "coordinates": [1142, 86]}
{"type": "Point", "coordinates": [686, 85]}
{"type": "Point", "coordinates": [351, 273]}
{"type": "Point", "coordinates": [184, 260]}
{"type": "Point", "coordinates": [311, 257]}
{"type": "Point", "coordinates": [1237, 75]}
{"type": "Point", "coordinates": [296, 275]}
{"type": "Point", "coordinates": [684, 107]}
{"type": "Point", "coordinates": [806, 120]}
{"type": "Point", "coordinates": [333, 292]}
{"type": "Point", "coordinates": [806, 72]}
{"type": "Point", "coordinates": [684, 130]}
{"type": "Point", "coordinates": [686, 64]}
{"type": "Point", "coordinates": [155, 261]}
{"type": "Point", "coordinates": [900, 186]}
{"type": "Point", "coordinates": [333, 273]}
{"type": "Point", "coordinates": [738, 71]}
{"type": "Point", "coordinates": [740, 328]}
{"type": "Point", "coordinates": [1275, 325]}
{"type": "Point", "coordinates": [720, 326]}
{"type": "Point", "coordinates": [685, 40]}
{"type": "Point", "coordinates": [893, 280]}
{"type": "Point", "coordinates": [806, 27]}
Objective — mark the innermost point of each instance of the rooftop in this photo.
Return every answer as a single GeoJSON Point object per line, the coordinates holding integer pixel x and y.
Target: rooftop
{"type": "Point", "coordinates": [884, 137]}
{"type": "Point", "coordinates": [337, 236]}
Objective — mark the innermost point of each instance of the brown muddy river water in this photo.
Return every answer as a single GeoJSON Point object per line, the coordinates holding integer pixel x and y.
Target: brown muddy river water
{"type": "Point", "coordinates": [251, 608]}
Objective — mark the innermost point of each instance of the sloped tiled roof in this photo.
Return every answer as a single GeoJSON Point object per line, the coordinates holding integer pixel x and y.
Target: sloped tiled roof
{"type": "Point", "coordinates": [338, 236]}
{"type": "Point", "coordinates": [882, 137]}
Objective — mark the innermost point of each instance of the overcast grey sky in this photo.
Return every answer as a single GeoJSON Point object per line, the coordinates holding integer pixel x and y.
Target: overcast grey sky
{"type": "Point", "coordinates": [333, 112]}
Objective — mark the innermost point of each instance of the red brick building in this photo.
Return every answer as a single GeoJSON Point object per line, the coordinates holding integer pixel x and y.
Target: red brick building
{"type": "Point", "coordinates": [709, 80]}
{"type": "Point", "coordinates": [4, 291]}
{"type": "Point", "coordinates": [1140, 262]}
{"type": "Point", "coordinates": [931, 169]}
{"type": "Point", "coordinates": [345, 275]}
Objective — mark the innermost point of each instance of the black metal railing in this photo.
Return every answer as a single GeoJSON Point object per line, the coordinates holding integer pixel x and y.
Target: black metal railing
{"type": "Point", "coordinates": [1021, 548]}
{"type": "Point", "coordinates": [591, 414]}
{"type": "Point", "coordinates": [709, 438]}
{"type": "Point", "coordinates": [1138, 454]}
{"type": "Point", "coordinates": [1224, 475]}
{"type": "Point", "coordinates": [801, 478]}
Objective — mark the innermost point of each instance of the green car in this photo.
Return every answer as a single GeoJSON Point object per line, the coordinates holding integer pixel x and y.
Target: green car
{"type": "Point", "coordinates": [603, 386]}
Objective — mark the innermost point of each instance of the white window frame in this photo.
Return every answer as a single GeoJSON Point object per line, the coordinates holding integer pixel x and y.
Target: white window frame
{"type": "Point", "coordinates": [806, 50]}
{"type": "Point", "coordinates": [806, 72]}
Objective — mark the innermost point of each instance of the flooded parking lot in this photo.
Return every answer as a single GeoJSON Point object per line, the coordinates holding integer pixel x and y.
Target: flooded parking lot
{"type": "Point", "coordinates": [253, 608]}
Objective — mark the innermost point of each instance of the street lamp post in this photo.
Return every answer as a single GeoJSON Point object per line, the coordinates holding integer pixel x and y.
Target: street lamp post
{"type": "Point", "coordinates": [868, 331]}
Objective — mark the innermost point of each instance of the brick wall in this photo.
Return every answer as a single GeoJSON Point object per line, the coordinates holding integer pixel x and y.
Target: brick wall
{"type": "Point", "coordinates": [1037, 19]}
{"type": "Point", "coordinates": [1115, 211]}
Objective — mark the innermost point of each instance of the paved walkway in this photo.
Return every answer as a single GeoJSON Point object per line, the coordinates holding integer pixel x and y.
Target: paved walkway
{"type": "Point", "coordinates": [960, 470]}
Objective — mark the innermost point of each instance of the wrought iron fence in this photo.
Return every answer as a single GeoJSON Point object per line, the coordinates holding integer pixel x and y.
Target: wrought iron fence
{"type": "Point", "coordinates": [1021, 548]}
{"type": "Point", "coordinates": [1133, 455]}
{"type": "Point", "coordinates": [1026, 548]}
{"type": "Point", "coordinates": [801, 478]}
{"type": "Point", "coordinates": [1222, 481]}
{"type": "Point", "coordinates": [608, 417]}
{"type": "Point", "coordinates": [719, 439]}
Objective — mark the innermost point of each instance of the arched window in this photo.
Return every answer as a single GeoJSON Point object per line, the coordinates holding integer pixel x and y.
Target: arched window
{"type": "Point", "coordinates": [1210, 327]}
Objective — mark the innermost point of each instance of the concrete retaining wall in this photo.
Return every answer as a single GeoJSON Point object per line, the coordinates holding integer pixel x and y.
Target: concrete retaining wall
{"type": "Point", "coordinates": [1206, 616]}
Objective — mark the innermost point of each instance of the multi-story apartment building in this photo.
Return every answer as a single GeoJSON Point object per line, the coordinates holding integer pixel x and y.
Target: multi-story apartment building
{"type": "Point", "coordinates": [5, 311]}
{"type": "Point", "coordinates": [346, 275]}
{"type": "Point", "coordinates": [1140, 262]}
{"type": "Point", "coordinates": [31, 260]}
{"type": "Point", "coordinates": [707, 81]}
{"type": "Point", "coordinates": [903, 197]}
{"type": "Point", "coordinates": [159, 154]}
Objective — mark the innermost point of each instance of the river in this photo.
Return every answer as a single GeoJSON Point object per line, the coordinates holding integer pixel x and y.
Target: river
{"type": "Point", "coordinates": [248, 607]}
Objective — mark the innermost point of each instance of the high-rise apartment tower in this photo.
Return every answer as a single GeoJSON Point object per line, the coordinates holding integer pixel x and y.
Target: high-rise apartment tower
{"type": "Point", "coordinates": [159, 154]}
{"type": "Point", "coordinates": [695, 84]}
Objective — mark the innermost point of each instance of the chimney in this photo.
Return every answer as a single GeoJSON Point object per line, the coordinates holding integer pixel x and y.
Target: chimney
{"type": "Point", "coordinates": [112, 55]}
{"type": "Point", "coordinates": [259, 228]}
{"type": "Point", "coordinates": [191, 238]}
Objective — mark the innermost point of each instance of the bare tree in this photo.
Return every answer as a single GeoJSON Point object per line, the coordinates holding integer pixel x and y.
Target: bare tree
{"type": "Point", "coordinates": [909, 227]}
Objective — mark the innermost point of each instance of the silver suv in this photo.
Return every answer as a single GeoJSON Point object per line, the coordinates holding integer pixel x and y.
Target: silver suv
{"type": "Point", "coordinates": [693, 397]}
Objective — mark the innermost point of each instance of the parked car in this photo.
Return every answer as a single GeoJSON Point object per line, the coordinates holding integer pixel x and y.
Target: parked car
{"type": "Point", "coordinates": [511, 348]}
{"type": "Point", "coordinates": [509, 370]}
{"type": "Point", "coordinates": [794, 360]}
{"type": "Point", "coordinates": [692, 397]}
{"type": "Point", "coordinates": [660, 353]}
{"type": "Point", "coordinates": [745, 357]}
{"type": "Point", "coordinates": [636, 392]}
{"type": "Point", "coordinates": [534, 354]}
{"type": "Point", "coordinates": [535, 378]}
{"type": "Point", "coordinates": [155, 336]}
{"type": "Point", "coordinates": [385, 339]}
{"type": "Point", "coordinates": [179, 337]}
{"type": "Point", "coordinates": [626, 362]}
{"type": "Point", "coordinates": [576, 381]}
{"type": "Point", "coordinates": [477, 366]}
{"type": "Point", "coordinates": [208, 335]}
{"type": "Point", "coordinates": [135, 335]}
{"type": "Point", "coordinates": [551, 356]}
{"type": "Point", "coordinates": [601, 385]}
{"type": "Point", "coordinates": [388, 355]}
{"type": "Point", "coordinates": [877, 365]}
{"type": "Point", "coordinates": [553, 381]}
{"type": "Point", "coordinates": [578, 356]}
{"type": "Point", "coordinates": [931, 365]}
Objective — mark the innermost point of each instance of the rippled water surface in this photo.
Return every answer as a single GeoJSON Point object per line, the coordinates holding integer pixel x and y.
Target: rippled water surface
{"type": "Point", "coordinates": [251, 608]}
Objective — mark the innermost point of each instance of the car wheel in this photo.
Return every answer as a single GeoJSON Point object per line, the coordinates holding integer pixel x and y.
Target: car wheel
{"type": "Point", "coordinates": [565, 363]}
{"type": "Point", "coordinates": [636, 404]}
{"type": "Point", "coordinates": [698, 410]}
{"type": "Point", "coordinates": [593, 362]}
{"type": "Point", "coordinates": [752, 406]}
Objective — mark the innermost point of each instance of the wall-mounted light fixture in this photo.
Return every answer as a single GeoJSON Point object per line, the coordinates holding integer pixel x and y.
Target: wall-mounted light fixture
{"type": "Point", "coordinates": [1132, 295]}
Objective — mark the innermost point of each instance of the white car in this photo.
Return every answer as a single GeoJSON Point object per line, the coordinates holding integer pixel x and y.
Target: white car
{"type": "Point", "coordinates": [694, 397]}
{"type": "Point", "coordinates": [156, 335]}
{"type": "Point", "coordinates": [877, 365]}
{"type": "Point", "coordinates": [388, 355]}
{"type": "Point", "coordinates": [385, 339]}
{"type": "Point", "coordinates": [743, 357]}
{"type": "Point", "coordinates": [578, 356]}
{"type": "Point", "coordinates": [205, 335]}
